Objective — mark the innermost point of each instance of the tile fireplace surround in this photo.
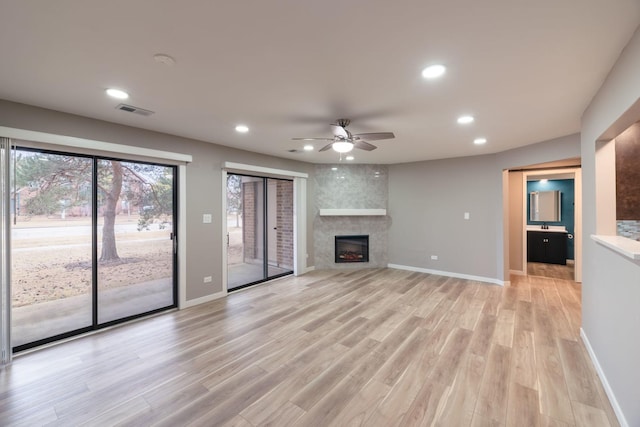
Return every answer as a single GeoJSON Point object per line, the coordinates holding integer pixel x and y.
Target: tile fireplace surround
{"type": "Point", "coordinates": [348, 188]}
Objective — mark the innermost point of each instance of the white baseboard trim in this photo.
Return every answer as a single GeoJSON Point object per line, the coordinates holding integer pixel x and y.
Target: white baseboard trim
{"type": "Point", "coordinates": [607, 388]}
{"type": "Point", "coordinates": [202, 300]}
{"type": "Point", "coordinates": [517, 272]}
{"type": "Point", "coordinates": [310, 269]}
{"type": "Point", "coordinates": [450, 274]}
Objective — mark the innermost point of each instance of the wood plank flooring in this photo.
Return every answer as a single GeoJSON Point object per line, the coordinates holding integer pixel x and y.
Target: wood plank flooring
{"type": "Point", "coordinates": [555, 271]}
{"type": "Point", "coordinates": [374, 347]}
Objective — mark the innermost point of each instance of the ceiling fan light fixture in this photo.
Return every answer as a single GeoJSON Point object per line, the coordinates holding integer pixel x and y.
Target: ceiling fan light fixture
{"type": "Point", "coordinates": [342, 146]}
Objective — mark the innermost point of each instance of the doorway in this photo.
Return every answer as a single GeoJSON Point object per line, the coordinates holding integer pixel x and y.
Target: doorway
{"type": "Point", "coordinates": [518, 223]}
{"type": "Point", "coordinates": [92, 243]}
{"type": "Point", "coordinates": [259, 229]}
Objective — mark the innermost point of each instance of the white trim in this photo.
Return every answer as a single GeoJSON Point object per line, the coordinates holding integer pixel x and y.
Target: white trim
{"type": "Point", "coordinates": [240, 168]}
{"type": "Point", "coordinates": [605, 384]}
{"type": "Point", "coordinates": [204, 299]}
{"type": "Point", "coordinates": [353, 212]}
{"type": "Point", "coordinates": [450, 274]}
{"type": "Point", "coordinates": [518, 272]}
{"type": "Point", "coordinates": [300, 226]}
{"type": "Point", "coordinates": [72, 141]}
{"type": "Point", "coordinates": [310, 269]}
{"type": "Point", "coordinates": [182, 235]}
{"type": "Point", "coordinates": [223, 215]}
{"type": "Point", "coordinates": [622, 245]}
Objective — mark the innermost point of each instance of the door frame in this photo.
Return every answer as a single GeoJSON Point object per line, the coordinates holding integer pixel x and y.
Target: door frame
{"type": "Point", "coordinates": [91, 145]}
{"type": "Point", "coordinates": [299, 212]}
{"type": "Point", "coordinates": [577, 216]}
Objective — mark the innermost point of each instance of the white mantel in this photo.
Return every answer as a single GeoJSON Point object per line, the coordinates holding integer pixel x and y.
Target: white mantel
{"type": "Point", "coordinates": [353, 212]}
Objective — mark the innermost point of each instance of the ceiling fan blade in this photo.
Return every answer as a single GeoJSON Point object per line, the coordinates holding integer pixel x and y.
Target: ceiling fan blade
{"type": "Point", "coordinates": [339, 131]}
{"type": "Point", "coordinates": [326, 147]}
{"type": "Point", "coordinates": [312, 139]}
{"type": "Point", "coordinates": [364, 145]}
{"type": "Point", "coordinates": [375, 136]}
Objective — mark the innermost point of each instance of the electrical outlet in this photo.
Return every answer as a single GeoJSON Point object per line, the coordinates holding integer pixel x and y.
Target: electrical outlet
{"type": "Point", "coordinates": [208, 279]}
{"type": "Point", "coordinates": [206, 218]}
{"type": "Point", "coordinates": [434, 257]}
{"type": "Point", "coordinates": [466, 215]}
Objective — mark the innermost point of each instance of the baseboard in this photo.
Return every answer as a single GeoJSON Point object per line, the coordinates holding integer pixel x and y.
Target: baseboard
{"type": "Point", "coordinates": [450, 274]}
{"type": "Point", "coordinates": [310, 269]}
{"type": "Point", "coordinates": [607, 388]}
{"type": "Point", "coordinates": [517, 272]}
{"type": "Point", "coordinates": [202, 300]}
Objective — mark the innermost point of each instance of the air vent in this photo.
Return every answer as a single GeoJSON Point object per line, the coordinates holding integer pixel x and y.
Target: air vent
{"type": "Point", "coordinates": [134, 110]}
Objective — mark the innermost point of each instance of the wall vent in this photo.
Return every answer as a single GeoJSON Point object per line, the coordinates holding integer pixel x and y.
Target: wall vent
{"type": "Point", "coordinates": [134, 110]}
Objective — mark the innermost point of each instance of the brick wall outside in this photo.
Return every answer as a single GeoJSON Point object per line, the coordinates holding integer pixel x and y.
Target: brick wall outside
{"type": "Point", "coordinates": [284, 221]}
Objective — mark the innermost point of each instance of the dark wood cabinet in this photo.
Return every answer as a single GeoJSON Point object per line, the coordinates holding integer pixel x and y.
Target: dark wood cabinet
{"type": "Point", "coordinates": [547, 247]}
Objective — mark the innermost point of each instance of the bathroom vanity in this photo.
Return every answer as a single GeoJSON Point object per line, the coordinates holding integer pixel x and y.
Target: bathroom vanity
{"type": "Point", "coordinates": [547, 246]}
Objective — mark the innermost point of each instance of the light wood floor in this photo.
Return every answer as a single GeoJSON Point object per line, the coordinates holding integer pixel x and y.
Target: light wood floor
{"type": "Point", "coordinates": [370, 347]}
{"type": "Point", "coordinates": [555, 271]}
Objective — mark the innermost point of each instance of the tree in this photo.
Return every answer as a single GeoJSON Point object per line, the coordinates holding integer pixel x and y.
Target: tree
{"type": "Point", "coordinates": [111, 193]}
{"type": "Point", "coordinates": [60, 181]}
{"type": "Point", "coordinates": [52, 181]}
{"type": "Point", "coordinates": [234, 195]}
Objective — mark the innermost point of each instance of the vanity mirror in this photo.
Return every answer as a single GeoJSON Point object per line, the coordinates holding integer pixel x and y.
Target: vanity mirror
{"type": "Point", "coordinates": [544, 206]}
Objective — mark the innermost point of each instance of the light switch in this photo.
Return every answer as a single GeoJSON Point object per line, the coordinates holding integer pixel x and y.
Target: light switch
{"type": "Point", "coordinates": [206, 218]}
{"type": "Point", "coordinates": [466, 215]}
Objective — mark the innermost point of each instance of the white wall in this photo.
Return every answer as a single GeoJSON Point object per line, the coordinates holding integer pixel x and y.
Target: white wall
{"type": "Point", "coordinates": [611, 284]}
{"type": "Point", "coordinates": [427, 201]}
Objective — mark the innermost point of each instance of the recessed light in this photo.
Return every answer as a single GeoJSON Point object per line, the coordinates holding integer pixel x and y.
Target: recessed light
{"type": "Point", "coordinates": [544, 181]}
{"type": "Point", "coordinates": [465, 120]}
{"type": "Point", "coordinates": [308, 148]}
{"type": "Point", "coordinates": [334, 168]}
{"type": "Point", "coordinates": [349, 158]}
{"type": "Point", "coordinates": [480, 141]}
{"type": "Point", "coordinates": [242, 128]}
{"type": "Point", "coordinates": [433, 71]}
{"type": "Point", "coordinates": [117, 93]}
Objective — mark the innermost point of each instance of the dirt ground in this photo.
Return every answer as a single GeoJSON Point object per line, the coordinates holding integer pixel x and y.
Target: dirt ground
{"type": "Point", "coordinates": [59, 266]}
{"type": "Point", "coordinates": [55, 267]}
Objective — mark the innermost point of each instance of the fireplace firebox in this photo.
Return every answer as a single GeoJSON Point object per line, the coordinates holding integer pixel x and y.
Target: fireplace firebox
{"type": "Point", "coordinates": [352, 249]}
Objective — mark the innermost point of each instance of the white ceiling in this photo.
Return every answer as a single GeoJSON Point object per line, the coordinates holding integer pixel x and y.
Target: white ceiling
{"type": "Point", "coordinates": [525, 69]}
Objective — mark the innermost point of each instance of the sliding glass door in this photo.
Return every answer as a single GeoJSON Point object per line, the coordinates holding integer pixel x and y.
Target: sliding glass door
{"type": "Point", "coordinates": [135, 238]}
{"type": "Point", "coordinates": [92, 243]}
{"type": "Point", "coordinates": [51, 245]}
{"type": "Point", "coordinates": [260, 229]}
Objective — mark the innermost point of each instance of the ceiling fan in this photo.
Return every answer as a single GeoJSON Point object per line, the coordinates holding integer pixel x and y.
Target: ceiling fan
{"type": "Point", "coordinates": [344, 141]}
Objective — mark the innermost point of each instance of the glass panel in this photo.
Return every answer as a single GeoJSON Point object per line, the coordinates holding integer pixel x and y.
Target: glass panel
{"type": "Point", "coordinates": [5, 251]}
{"type": "Point", "coordinates": [280, 226]}
{"type": "Point", "coordinates": [135, 232]}
{"type": "Point", "coordinates": [245, 225]}
{"type": "Point", "coordinates": [51, 246]}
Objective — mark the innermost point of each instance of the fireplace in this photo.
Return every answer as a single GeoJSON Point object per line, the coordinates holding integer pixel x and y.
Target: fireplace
{"type": "Point", "coordinates": [352, 249]}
